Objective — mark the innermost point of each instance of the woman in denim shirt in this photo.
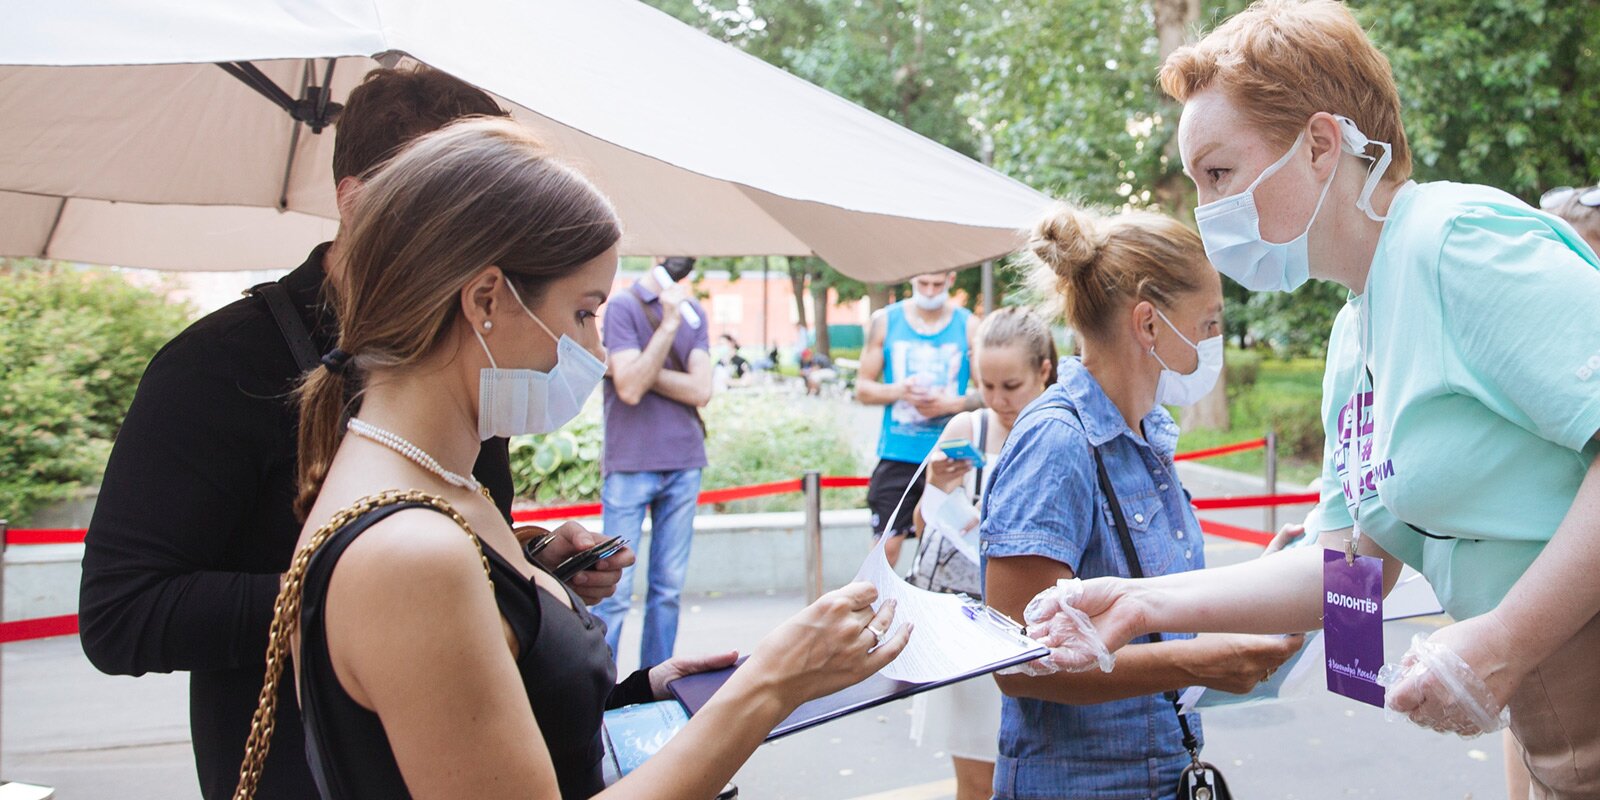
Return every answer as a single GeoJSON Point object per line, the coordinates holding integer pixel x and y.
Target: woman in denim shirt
{"type": "Point", "coordinates": [1140, 294]}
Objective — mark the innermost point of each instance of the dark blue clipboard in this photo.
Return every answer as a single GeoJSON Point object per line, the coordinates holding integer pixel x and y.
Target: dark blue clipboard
{"type": "Point", "coordinates": [694, 691]}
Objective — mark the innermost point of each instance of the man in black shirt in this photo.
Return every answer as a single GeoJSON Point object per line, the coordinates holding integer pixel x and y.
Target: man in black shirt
{"type": "Point", "coordinates": [194, 525]}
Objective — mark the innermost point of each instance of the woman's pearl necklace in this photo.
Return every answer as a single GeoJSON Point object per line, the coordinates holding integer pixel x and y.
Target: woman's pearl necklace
{"type": "Point", "coordinates": [394, 442]}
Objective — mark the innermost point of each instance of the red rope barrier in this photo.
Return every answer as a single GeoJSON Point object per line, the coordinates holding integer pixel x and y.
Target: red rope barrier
{"type": "Point", "coordinates": [45, 536]}
{"type": "Point", "coordinates": [43, 628]}
{"type": "Point", "coordinates": [1235, 532]}
{"type": "Point", "coordinates": [844, 483]}
{"type": "Point", "coordinates": [1255, 501]}
{"type": "Point", "coordinates": [1220, 451]}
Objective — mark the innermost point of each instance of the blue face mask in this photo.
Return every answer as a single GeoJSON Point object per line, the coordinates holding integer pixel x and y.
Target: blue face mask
{"type": "Point", "coordinates": [1231, 227]}
{"type": "Point", "coordinates": [512, 402]}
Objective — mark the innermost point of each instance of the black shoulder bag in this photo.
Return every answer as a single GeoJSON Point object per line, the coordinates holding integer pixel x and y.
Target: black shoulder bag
{"type": "Point", "coordinates": [1200, 780]}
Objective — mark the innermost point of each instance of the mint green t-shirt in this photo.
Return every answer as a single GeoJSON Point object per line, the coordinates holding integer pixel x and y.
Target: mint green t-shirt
{"type": "Point", "coordinates": [1483, 341]}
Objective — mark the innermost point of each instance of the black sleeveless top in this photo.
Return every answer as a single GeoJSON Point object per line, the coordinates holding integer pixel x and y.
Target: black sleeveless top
{"type": "Point", "coordinates": [562, 656]}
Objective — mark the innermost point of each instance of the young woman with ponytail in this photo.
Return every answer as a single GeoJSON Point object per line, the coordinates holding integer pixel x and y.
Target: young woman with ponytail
{"type": "Point", "coordinates": [1147, 311]}
{"type": "Point", "coordinates": [432, 658]}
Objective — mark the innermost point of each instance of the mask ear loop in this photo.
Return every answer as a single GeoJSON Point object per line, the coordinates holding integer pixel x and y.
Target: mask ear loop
{"type": "Point", "coordinates": [1356, 143]}
{"type": "Point", "coordinates": [485, 346]}
{"type": "Point", "coordinates": [1159, 359]}
{"type": "Point", "coordinates": [531, 315]}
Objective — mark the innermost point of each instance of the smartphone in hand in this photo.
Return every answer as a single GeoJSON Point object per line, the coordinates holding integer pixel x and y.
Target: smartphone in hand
{"type": "Point", "coordinates": [588, 558]}
{"type": "Point", "coordinates": [961, 450]}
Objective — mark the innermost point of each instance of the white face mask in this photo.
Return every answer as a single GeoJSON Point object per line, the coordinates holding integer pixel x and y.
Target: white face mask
{"type": "Point", "coordinates": [933, 303]}
{"type": "Point", "coordinates": [1177, 389]}
{"type": "Point", "coordinates": [512, 402]}
{"type": "Point", "coordinates": [1231, 227]}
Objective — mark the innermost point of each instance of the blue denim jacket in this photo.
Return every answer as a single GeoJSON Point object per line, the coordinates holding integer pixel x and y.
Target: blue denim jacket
{"type": "Point", "coordinates": [1045, 500]}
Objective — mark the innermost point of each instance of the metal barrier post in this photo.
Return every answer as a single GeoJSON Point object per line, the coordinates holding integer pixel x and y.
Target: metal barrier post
{"type": "Point", "coordinates": [1272, 480]}
{"type": "Point", "coordinates": [811, 485]}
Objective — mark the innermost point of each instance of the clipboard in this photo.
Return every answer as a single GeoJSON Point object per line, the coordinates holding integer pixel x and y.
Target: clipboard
{"type": "Point", "coordinates": [694, 691]}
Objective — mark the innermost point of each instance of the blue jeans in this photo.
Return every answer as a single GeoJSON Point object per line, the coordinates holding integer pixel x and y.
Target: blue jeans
{"type": "Point", "coordinates": [670, 499]}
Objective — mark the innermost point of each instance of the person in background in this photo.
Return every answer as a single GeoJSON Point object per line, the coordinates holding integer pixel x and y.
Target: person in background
{"type": "Point", "coordinates": [660, 377]}
{"type": "Point", "coordinates": [1148, 311]}
{"type": "Point", "coordinates": [917, 365]}
{"type": "Point", "coordinates": [1016, 362]}
{"type": "Point", "coordinates": [816, 368]}
{"type": "Point", "coordinates": [193, 526]}
{"type": "Point", "coordinates": [738, 366]}
{"type": "Point", "coordinates": [432, 658]}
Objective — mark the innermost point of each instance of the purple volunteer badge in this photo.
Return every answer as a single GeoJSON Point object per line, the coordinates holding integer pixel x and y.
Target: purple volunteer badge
{"type": "Point", "coordinates": [1352, 625]}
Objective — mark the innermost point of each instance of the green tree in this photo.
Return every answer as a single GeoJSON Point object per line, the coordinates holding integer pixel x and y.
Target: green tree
{"type": "Point", "coordinates": [1499, 92]}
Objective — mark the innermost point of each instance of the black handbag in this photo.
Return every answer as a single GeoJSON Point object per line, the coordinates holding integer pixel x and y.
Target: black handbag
{"type": "Point", "coordinates": [1199, 780]}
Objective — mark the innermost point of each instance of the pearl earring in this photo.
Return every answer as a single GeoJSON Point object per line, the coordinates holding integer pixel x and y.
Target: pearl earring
{"type": "Point", "coordinates": [487, 325]}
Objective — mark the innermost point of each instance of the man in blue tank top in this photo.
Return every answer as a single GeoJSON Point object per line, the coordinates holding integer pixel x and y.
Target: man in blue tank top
{"type": "Point", "coordinates": [917, 364]}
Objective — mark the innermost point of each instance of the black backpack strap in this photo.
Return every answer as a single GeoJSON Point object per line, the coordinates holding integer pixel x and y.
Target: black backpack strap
{"type": "Point", "coordinates": [290, 324]}
{"type": "Point", "coordinates": [983, 440]}
{"type": "Point", "coordinates": [1136, 570]}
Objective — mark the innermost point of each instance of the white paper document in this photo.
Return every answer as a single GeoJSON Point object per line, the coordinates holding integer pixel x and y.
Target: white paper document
{"type": "Point", "coordinates": [952, 637]}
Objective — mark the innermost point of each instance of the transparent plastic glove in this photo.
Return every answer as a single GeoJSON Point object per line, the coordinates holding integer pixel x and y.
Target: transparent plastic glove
{"type": "Point", "coordinates": [1441, 691]}
{"type": "Point", "coordinates": [1056, 623]}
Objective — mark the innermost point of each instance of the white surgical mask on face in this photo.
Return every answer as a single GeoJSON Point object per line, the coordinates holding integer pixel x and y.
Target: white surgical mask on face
{"type": "Point", "coordinates": [1231, 227]}
{"type": "Point", "coordinates": [931, 303]}
{"type": "Point", "coordinates": [512, 402]}
{"type": "Point", "coordinates": [1178, 389]}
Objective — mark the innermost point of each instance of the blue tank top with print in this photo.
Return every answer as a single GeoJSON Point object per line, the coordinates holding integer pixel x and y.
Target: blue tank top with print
{"type": "Point", "coordinates": [937, 361]}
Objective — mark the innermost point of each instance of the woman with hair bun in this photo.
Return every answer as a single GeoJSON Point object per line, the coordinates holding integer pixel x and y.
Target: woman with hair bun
{"type": "Point", "coordinates": [1147, 310]}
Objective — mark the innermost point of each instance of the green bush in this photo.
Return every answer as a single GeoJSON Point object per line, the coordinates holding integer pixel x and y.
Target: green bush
{"type": "Point", "coordinates": [755, 436]}
{"type": "Point", "coordinates": [1244, 367]}
{"type": "Point", "coordinates": [759, 436]}
{"type": "Point", "coordinates": [562, 466]}
{"type": "Point", "coordinates": [73, 344]}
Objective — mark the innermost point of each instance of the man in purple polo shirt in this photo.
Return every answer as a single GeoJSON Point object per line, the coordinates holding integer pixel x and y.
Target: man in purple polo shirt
{"type": "Point", "coordinates": [660, 378]}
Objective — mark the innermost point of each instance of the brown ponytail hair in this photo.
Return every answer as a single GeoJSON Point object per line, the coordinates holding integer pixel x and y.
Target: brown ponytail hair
{"type": "Point", "coordinates": [1017, 326]}
{"type": "Point", "coordinates": [1093, 266]}
{"type": "Point", "coordinates": [480, 192]}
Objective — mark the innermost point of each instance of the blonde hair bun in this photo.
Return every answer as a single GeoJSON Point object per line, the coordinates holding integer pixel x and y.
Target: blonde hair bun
{"type": "Point", "coordinates": [1067, 240]}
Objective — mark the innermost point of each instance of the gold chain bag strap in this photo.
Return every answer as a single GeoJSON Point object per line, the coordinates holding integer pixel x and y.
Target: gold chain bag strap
{"type": "Point", "coordinates": [286, 619]}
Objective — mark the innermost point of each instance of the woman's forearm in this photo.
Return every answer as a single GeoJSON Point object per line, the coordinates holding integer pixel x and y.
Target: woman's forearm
{"type": "Point", "coordinates": [1280, 593]}
{"type": "Point", "coordinates": [1558, 594]}
{"type": "Point", "coordinates": [1142, 669]}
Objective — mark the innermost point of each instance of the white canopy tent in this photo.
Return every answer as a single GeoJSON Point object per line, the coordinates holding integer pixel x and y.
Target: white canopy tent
{"type": "Point", "coordinates": [125, 142]}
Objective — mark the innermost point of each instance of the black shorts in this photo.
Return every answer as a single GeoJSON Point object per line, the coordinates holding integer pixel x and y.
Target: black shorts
{"type": "Point", "coordinates": [889, 481]}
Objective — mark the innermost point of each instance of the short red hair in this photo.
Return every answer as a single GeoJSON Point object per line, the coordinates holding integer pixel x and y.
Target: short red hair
{"type": "Point", "coordinates": [1281, 61]}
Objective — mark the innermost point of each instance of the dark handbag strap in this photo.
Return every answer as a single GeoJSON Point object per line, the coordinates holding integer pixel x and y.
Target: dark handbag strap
{"type": "Point", "coordinates": [674, 362]}
{"type": "Point", "coordinates": [1136, 570]}
{"type": "Point", "coordinates": [289, 323]}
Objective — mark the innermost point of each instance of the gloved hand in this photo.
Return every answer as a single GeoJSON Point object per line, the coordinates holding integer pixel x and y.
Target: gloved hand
{"type": "Point", "coordinates": [1053, 621]}
{"type": "Point", "coordinates": [1433, 687]}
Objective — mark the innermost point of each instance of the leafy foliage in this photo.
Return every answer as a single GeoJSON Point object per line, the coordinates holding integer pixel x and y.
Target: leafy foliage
{"type": "Point", "coordinates": [73, 344]}
{"type": "Point", "coordinates": [756, 436]}
{"type": "Point", "coordinates": [1499, 92]}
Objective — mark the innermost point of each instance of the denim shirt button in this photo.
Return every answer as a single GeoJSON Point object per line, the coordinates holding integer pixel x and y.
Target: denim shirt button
{"type": "Point", "coordinates": [1138, 518]}
{"type": "Point", "coordinates": [1189, 554]}
{"type": "Point", "coordinates": [1163, 487]}
{"type": "Point", "coordinates": [1180, 534]}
